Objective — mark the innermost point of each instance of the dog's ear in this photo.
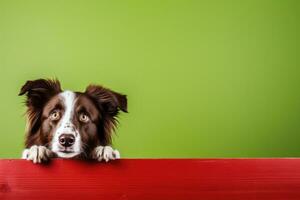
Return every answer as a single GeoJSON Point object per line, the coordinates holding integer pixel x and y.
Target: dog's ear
{"type": "Point", "coordinates": [109, 101]}
{"type": "Point", "coordinates": [38, 92]}
{"type": "Point", "coordinates": [110, 104]}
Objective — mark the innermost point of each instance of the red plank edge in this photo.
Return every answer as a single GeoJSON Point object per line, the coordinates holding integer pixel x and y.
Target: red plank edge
{"type": "Point", "coordinates": [156, 179]}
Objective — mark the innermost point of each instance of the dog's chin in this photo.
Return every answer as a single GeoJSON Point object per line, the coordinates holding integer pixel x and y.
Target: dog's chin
{"type": "Point", "coordinates": [67, 154]}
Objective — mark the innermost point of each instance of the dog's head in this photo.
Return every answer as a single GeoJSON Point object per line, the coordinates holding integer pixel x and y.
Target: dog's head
{"type": "Point", "coordinates": [70, 123]}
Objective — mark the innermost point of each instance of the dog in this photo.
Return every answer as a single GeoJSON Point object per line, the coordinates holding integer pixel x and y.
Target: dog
{"type": "Point", "coordinates": [68, 124]}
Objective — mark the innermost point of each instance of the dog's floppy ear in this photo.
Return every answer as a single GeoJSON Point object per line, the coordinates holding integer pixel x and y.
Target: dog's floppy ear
{"type": "Point", "coordinates": [38, 92]}
{"type": "Point", "coordinates": [110, 104]}
{"type": "Point", "coordinates": [109, 101]}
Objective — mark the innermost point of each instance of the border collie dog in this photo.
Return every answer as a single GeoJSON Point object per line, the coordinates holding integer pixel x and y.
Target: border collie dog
{"type": "Point", "coordinates": [68, 124]}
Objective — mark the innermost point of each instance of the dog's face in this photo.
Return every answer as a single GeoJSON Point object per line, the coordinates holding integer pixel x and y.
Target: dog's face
{"type": "Point", "coordinates": [70, 123]}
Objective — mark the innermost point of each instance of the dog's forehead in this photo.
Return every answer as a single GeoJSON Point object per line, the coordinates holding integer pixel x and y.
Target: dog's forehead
{"type": "Point", "coordinates": [60, 100]}
{"type": "Point", "coordinates": [68, 97]}
{"type": "Point", "coordinates": [72, 100]}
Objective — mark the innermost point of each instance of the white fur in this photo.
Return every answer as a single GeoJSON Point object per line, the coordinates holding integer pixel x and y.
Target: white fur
{"type": "Point", "coordinates": [66, 126]}
{"type": "Point", "coordinates": [37, 154]}
{"type": "Point", "coordinates": [105, 153]}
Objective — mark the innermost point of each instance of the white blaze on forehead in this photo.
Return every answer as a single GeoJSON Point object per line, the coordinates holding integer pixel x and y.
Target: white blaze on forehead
{"type": "Point", "coordinates": [68, 98]}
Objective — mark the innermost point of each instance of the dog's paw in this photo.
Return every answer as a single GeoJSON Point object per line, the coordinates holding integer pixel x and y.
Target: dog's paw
{"type": "Point", "coordinates": [37, 154]}
{"type": "Point", "coordinates": [105, 153]}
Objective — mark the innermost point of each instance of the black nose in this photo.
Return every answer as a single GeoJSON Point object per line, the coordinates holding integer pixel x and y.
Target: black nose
{"type": "Point", "coordinates": [66, 140]}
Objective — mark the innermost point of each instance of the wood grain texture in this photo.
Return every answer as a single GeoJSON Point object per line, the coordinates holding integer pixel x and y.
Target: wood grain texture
{"type": "Point", "coordinates": [156, 179]}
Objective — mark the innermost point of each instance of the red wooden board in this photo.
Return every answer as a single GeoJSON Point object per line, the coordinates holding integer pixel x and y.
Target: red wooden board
{"type": "Point", "coordinates": [143, 179]}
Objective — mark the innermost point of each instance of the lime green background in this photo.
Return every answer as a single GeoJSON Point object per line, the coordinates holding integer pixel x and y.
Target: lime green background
{"type": "Point", "coordinates": [203, 78]}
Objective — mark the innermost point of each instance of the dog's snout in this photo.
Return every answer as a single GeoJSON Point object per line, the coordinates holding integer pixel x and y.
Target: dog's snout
{"type": "Point", "coordinates": [66, 140]}
{"type": "Point", "coordinates": [69, 126]}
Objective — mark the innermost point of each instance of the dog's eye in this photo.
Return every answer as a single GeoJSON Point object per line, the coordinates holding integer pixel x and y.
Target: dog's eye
{"type": "Point", "coordinates": [55, 115]}
{"type": "Point", "coordinates": [83, 117]}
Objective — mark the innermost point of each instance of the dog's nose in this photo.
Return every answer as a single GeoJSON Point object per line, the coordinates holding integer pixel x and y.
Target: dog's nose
{"type": "Point", "coordinates": [66, 140]}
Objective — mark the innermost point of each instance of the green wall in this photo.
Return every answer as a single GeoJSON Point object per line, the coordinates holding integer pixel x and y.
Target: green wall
{"type": "Point", "coordinates": [203, 78]}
